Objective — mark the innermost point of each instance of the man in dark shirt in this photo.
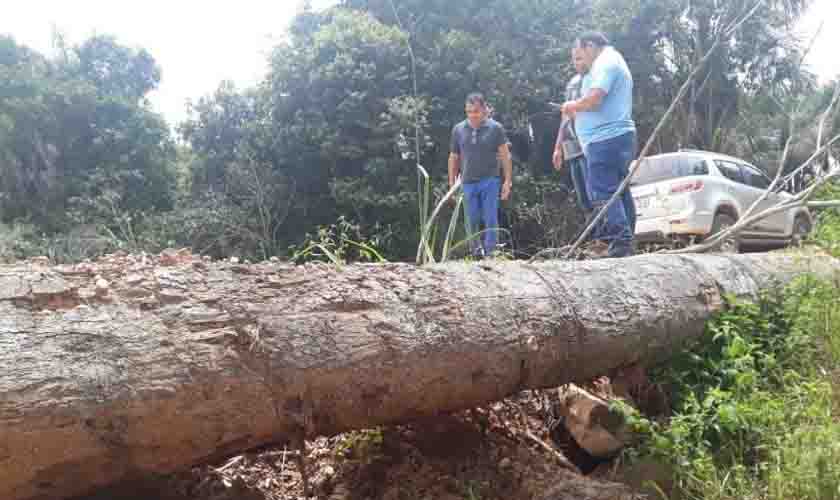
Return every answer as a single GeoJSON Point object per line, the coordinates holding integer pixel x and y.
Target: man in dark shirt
{"type": "Point", "coordinates": [567, 149]}
{"type": "Point", "coordinates": [478, 143]}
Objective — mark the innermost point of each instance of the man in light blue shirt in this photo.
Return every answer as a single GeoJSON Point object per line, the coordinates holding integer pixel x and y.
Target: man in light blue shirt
{"type": "Point", "coordinates": [605, 128]}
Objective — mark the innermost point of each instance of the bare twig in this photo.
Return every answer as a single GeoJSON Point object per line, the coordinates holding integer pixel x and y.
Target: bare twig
{"type": "Point", "coordinates": [775, 182]}
{"type": "Point", "coordinates": [302, 465]}
{"type": "Point", "coordinates": [413, 83]}
{"type": "Point", "coordinates": [737, 24]}
{"type": "Point", "coordinates": [823, 204]}
{"type": "Point", "coordinates": [820, 150]}
{"type": "Point", "coordinates": [800, 200]}
{"type": "Point", "coordinates": [561, 459]}
{"type": "Point", "coordinates": [827, 113]}
{"type": "Point", "coordinates": [233, 461]}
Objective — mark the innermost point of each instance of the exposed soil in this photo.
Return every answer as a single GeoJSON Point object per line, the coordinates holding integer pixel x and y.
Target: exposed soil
{"type": "Point", "coordinates": [503, 452]}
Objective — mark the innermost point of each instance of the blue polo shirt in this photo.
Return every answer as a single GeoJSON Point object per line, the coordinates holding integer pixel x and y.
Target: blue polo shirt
{"type": "Point", "coordinates": [614, 117]}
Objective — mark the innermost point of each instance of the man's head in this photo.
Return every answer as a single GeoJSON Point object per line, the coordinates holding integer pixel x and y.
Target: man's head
{"type": "Point", "coordinates": [578, 61]}
{"type": "Point", "coordinates": [476, 109]}
{"type": "Point", "coordinates": [591, 44]}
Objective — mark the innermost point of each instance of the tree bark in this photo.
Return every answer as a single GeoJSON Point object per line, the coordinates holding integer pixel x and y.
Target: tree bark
{"type": "Point", "coordinates": [127, 367]}
{"type": "Point", "coordinates": [596, 428]}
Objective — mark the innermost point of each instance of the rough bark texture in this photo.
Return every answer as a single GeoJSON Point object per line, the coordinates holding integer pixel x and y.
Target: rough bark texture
{"type": "Point", "coordinates": [117, 370]}
{"type": "Point", "coordinates": [591, 423]}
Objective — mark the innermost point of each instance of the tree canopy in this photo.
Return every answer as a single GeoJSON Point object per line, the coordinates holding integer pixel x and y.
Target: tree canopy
{"type": "Point", "coordinates": [330, 134]}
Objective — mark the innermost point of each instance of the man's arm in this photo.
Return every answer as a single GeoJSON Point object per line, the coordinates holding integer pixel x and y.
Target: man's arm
{"type": "Point", "coordinates": [454, 168]}
{"type": "Point", "coordinates": [557, 157]}
{"type": "Point", "coordinates": [588, 103]}
{"type": "Point", "coordinates": [507, 170]}
{"type": "Point", "coordinates": [604, 77]}
{"type": "Point", "coordinates": [454, 157]}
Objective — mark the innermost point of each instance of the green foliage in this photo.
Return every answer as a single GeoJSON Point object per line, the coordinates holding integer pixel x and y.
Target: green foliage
{"type": "Point", "coordinates": [338, 244]}
{"type": "Point", "coordinates": [77, 136]}
{"type": "Point", "coordinates": [752, 403]}
{"type": "Point", "coordinates": [330, 131]}
{"type": "Point", "coordinates": [364, 446]}
{"type": "Point", "coordinates": [20, 241]}
{"type": "Point", "coordinates": [827, 230]}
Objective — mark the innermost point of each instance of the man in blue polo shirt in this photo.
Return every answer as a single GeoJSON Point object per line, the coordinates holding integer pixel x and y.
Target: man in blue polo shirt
{"type": "Point", "coordinates": [605, 127]}
{"type": "Point", "coordinates": [478, 143]}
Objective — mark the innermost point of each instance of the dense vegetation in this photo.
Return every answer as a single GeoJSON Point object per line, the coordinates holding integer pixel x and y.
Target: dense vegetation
{"type": "Point", "coordinates": [323, 150]}
{"type": "Point", "coordinates": [755, 409]}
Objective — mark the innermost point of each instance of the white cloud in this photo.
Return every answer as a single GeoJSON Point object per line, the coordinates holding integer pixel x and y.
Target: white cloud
{"type": "Point", "coordinates": [823, 58]}
{"type": "Point", "coordinates": [197, 44]}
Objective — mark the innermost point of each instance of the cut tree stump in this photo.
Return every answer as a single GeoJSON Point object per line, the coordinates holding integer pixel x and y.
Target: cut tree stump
{"type": "Point", "coordinates": [133, 366]}
{"type": "Point", "coordinates": [596, 428]}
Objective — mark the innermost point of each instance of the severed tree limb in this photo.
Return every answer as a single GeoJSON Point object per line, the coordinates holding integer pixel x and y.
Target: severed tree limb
{"type": "Point", "coordinates": [561, 459]}
{"type": "Point", "coordinates": [746, 219]}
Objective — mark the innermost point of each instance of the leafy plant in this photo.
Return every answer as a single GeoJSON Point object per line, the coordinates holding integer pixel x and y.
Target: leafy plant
{"type": "Point", "coordinates": [364, 445]}
{"type": "Point", "coordinates": [753, 399]}
{"type": "Point", "coordinates": [338, 243]}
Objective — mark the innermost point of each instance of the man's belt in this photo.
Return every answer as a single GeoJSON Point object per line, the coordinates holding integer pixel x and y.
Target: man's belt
{"type": "Point", "coordinates": [571, 149]}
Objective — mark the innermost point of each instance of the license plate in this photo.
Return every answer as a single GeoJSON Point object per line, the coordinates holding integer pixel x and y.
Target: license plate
{"type": "Point", "coordinates": [643, 203]}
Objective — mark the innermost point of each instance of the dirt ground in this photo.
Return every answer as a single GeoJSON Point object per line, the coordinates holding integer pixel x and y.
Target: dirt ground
{"type": "Point", "coordinates": [503, 452]}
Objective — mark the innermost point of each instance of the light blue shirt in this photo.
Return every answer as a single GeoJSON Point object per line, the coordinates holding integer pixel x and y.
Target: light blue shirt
{"type": "Point", "coordinates": [614, 117]}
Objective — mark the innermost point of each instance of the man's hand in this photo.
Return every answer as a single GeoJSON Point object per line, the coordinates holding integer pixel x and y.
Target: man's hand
{"type": "Point", "coordinates": [570, 108]}
{"type": "Point", "coordinates": [506, 189]}
{"type": "Point", "coordinates": [557, 159]}
{"type": "Point", "coordinates": [453, 200]}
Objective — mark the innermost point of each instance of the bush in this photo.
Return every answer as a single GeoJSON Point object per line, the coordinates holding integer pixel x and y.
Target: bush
{"type": "Point", "coordinates": [753, 412]}
{"type": "Point", "coordinates": [827, 230]}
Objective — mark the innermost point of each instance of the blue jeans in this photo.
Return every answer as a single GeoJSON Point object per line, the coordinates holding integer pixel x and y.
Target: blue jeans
{"type": "Point", "coordinates": [481, 200]}
{"type": "Point", "coordinates": [608, 163]}
{"type": "Point", "coordinates": [577, 170]}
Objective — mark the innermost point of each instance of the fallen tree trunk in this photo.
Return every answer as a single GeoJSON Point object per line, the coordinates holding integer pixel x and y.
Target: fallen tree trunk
{"type": "Point", "coordinates": [124, 368]}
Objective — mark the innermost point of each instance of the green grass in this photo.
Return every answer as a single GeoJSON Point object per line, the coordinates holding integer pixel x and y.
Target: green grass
{"type": "Point", "coordinates": [754, 404]}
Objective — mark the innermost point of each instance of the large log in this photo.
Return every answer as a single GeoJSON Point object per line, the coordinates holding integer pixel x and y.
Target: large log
{"type": "Point", "coordinates": [114, 371]}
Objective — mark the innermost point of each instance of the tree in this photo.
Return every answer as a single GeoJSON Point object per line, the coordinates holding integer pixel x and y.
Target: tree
{"type": "Point", "coordinates": [336, 116]}
{"type": "Point", "coordinates": [80, 141]}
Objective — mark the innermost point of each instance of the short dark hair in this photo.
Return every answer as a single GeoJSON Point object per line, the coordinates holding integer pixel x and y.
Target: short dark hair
{"type": "Point", "coordinates": [476, 99]}
{"type": "Point", "coordinates": [593, 39]}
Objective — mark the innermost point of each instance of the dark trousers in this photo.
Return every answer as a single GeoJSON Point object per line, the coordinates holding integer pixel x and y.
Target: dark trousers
{"type": "Point", "coordinates": [577, 171]}
{"type": "Point", "coordinates": [608, 165]}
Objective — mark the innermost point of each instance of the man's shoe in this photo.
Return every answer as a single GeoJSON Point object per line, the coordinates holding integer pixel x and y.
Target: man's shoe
{"type": "Point", "coordinates": [620, 248]}
{"type": "Point", "coordinates": [596, 249]}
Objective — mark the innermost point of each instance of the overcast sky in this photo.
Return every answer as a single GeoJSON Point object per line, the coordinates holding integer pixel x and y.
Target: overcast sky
{"type": "Point", "coordinates": [198, 44]}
